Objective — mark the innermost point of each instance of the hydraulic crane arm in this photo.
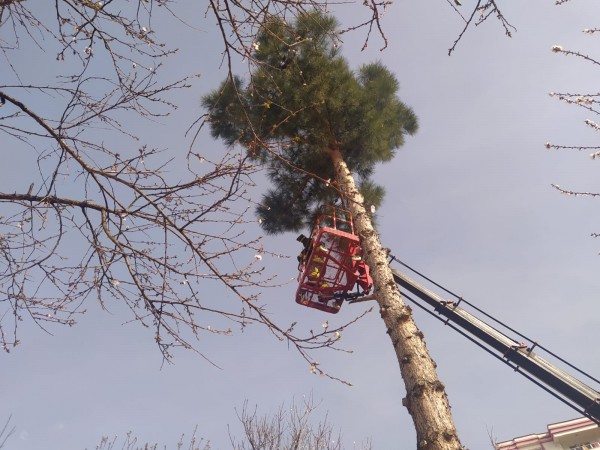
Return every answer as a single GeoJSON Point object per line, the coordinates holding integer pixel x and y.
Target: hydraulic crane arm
{"type": "Point", "coordinates": [566, 387]}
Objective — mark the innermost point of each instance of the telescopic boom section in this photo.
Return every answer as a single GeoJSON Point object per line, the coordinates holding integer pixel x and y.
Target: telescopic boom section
{"type": "Point", "coordinates": [564, 386]}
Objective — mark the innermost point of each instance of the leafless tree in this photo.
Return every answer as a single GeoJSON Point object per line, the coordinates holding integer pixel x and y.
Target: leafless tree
{"type": "Point", "coordinates": [493, 439]}
{"type": "Point", "coordinates": [130, 442]}
{"type": "Point", "coordinates": [586, 101]}
{"type": "Point", "coordinates": [101, 213]}
{"type": "Point", "coordinates": [290, 427]}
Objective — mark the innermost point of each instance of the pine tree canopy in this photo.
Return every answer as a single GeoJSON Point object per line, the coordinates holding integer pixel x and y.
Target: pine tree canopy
{"type": "Point", "coordinates": [302, 99]}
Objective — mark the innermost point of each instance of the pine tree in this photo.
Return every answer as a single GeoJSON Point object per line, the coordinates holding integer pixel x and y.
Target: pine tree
{"type": "Point", "coordinates": [314, 122]}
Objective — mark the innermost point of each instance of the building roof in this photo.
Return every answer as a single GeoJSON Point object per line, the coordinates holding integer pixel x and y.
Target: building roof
{"type": "Point", "coordinates": [564, 435]}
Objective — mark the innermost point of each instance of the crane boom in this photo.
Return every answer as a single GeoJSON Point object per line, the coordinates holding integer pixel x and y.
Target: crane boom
{"type": "Point", "coordinates": [563, 385]}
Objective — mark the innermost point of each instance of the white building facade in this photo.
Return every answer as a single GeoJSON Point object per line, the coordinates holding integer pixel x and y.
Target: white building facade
{"type": "Point", "coordinates": [577, 434]}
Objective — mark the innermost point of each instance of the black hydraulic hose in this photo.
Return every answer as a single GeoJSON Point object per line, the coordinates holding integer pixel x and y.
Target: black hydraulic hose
{"type": "Point", "coordinates": [505, 326]}
{"type": "Point", "coordinates": [570, 389]}
{"type": "Point", "coordinates": [499, 358]}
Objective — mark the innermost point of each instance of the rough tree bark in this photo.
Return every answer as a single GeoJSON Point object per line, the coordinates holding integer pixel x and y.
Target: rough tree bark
{"type": "Point", "coordinates": [426, 399]}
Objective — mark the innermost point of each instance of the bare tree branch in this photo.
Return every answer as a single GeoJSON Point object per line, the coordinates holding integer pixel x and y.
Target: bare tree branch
{"type": "Point", "coordinates": [290, 427]}
{"type": "Point", "coordinates": [105, 216]}
{"type": "Point", "coordinates": [484, 10]}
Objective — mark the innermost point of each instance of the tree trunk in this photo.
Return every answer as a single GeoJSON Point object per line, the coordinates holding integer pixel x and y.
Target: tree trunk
{"type": "Point", "coordinates": [426, 399]}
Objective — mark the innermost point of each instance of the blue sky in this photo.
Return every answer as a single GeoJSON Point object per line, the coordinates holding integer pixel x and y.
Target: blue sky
{"type": "Point", "coordinates": [469, 202]}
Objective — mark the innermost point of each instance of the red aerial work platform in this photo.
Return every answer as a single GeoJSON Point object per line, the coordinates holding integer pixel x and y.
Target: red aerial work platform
{"type": "Point", "coordinates": [331, 263]}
